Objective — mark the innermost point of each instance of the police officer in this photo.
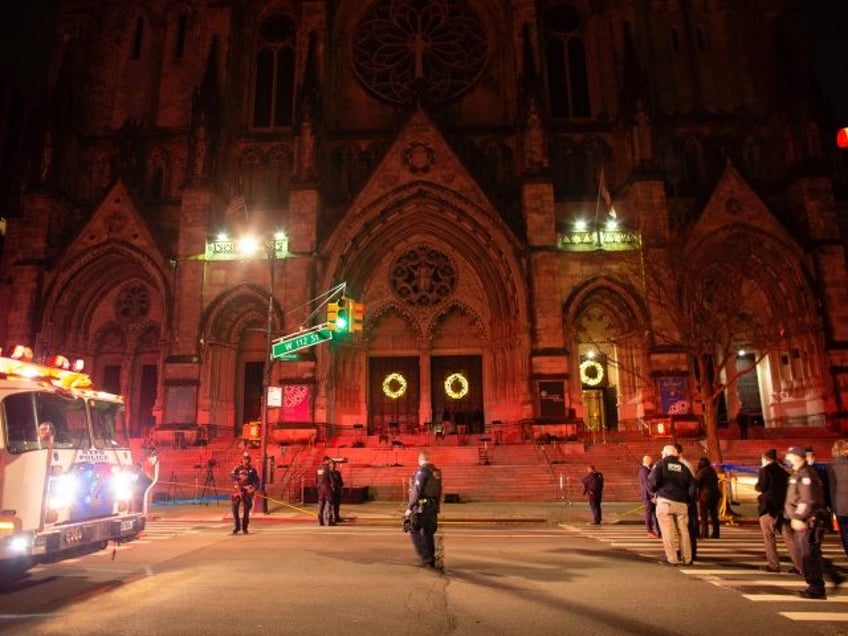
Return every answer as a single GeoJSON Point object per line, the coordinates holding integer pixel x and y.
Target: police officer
{"type": "Point", "coordinates": [422, 513]}
{"type": "Point", "coordinates": [245, 484]}
{"type": "Point", "coordinates": [324, 488]}
{"type": "Point", "coordinates": [805, 510]}
{"type": "Point", "coordinates": [674, 486]}
{"type": "Point", "coordinates": [337, 486]}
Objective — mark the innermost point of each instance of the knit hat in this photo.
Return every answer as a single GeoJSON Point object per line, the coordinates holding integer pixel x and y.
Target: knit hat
{"type": "Point", "coordinates": [770, 454]}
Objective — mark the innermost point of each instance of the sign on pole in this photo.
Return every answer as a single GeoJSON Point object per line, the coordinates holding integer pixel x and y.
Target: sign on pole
{"type": "Point", "coordinates": [298, 341]}
{"type": "Point", "coordinates": [275, 397]}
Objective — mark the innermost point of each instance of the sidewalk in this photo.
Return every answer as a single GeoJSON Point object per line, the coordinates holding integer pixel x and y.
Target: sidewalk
{"type": "Point", "coordinates": [390, 513]}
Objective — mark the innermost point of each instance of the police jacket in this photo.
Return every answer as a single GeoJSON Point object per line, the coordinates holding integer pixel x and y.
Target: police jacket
{"type": "Point", "coordinates": [804, 496]}
{"type": "Point", "coordinates": [246, 478]}
{"type": "Point", "coordinates": [671, 479]}
{"type": "Point", "coordinates": [425, 489]}
{"type": "Point", "coordinates": [837, 472]}
{"type": "Point", "coordinates": [323, 482]}
{"type": "Point", "coordinates": [336, 481]}
{"type": "Point", "coordinates": [772, 481]}
{"type": "Point", "coordinates": [644, 486]}
{"type": "Point", "coordinates": [593, 485]}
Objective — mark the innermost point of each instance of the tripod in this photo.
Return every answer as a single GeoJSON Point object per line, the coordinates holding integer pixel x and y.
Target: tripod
{"type": "Point", "coordinates": [209, 484]}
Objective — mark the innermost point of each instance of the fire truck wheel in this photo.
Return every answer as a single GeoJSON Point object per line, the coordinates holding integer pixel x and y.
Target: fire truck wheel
{"type": "Point", "coordinates": [14, 568]}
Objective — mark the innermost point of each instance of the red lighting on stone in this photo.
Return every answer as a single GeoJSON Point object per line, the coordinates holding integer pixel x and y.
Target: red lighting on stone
{"type": "Point", "coordinates": [842, 138]}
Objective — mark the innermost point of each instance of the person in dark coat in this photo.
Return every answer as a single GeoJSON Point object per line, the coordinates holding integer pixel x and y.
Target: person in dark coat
{"type": "Point", "coordinates": [674, 485]}
{"type": "Point", "coordinates": [837, 473]}
{"type": "Point", "coordinates": [245, 484]}
{"type": "Point", "coordinates": [593, 488]}
{"type": "Point", "coordinates": [708, 494]}
{"type": "Point", "coordinates": [772, 482]}
{"type": "Point", "coordinates": [421, 518]}
{"type": "Point", "coordinates": [324, 488]}
{"type": "Point", "coordinates": [808, 516]}
{"type": "Point", "coordinates": [338, 486]}
{"type": "Point", "coordinates": [652, 526]}
{"type": "Point", "coordinates": [821, 471]}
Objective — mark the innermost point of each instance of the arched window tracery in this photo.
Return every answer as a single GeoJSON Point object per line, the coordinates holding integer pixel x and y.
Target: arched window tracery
{"type": "Point", "coordinates": [273, 97]}
{"type": "Point", "coordinates": [567, 73]}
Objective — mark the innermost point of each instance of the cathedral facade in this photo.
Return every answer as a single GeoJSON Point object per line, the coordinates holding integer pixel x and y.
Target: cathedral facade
{"type": "Point", "coordinates": [486, 176]}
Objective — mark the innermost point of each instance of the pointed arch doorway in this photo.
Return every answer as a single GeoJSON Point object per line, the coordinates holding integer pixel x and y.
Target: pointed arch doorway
{"type": "Point", "coordinates": [394, 383]}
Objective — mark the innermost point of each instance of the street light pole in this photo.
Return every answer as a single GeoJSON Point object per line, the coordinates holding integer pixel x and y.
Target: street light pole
{"type": "Point", "coordinates": [271, 255]}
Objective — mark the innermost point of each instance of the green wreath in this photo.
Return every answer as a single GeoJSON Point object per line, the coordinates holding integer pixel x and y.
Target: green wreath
{"type": "Point", "coordinates": [463, 388]}
{"type": "Point", "coordinates": [591, 372]}
{"type": "Point", "coordinates": [392, 379]}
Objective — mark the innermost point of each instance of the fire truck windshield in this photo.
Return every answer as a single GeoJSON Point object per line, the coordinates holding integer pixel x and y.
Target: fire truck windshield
{"type": "Point", "coordinates": [108, 424]}
{"type": "Point", "coordinates": [35, 419]}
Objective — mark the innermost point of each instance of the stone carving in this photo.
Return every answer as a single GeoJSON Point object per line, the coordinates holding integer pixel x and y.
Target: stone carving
{"type": "Point", "coordinates": [423, 277]}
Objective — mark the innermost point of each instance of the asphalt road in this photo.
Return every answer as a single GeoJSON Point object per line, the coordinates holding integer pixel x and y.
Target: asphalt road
{"type": "Point", "coordinates": [188, 577]}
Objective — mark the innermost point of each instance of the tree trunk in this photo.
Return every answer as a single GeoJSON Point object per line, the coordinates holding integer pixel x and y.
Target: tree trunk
{"type": "Point", "coordinates": [711, 428]}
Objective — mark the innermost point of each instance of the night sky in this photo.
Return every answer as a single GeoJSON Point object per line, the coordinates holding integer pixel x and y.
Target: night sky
{"type": "Point", "coordinates": [828, 26]}
{"type": "Point", "coordinates": [26, 30]}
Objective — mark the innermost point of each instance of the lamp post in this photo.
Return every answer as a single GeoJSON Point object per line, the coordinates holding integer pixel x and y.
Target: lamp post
{"type": "Point", "coordinates": [266, 375]}
{"type": "Point", "coordinates": [250, 246]}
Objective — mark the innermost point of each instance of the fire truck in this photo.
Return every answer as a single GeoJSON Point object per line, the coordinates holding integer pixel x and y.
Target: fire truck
{"type": "Point", "coordinates": [68, 483]}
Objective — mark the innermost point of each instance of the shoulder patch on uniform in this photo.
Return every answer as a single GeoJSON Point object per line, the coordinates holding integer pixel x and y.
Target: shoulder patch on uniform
{"type": "Point", "coordinates": [806, 481]}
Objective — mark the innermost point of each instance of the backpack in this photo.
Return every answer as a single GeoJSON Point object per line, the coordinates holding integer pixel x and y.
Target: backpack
{"type": "Point", "coordinates": [433, 486]}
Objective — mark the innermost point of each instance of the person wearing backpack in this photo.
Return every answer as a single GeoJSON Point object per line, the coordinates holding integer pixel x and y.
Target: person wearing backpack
{"type": "Point", "coordinates": [422, 513]}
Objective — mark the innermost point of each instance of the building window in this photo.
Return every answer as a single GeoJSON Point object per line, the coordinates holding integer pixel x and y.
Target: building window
{"type": "Point", "coordinates": [138, 38]}
{"type": "Point", "coordinates": [179, 45]}
{"type": "Point", "coordinates": [273, 100]}
{"type": "Point", "coordinates": [408, 50]}
{"type": "Point", "coordinates": [565, 54]}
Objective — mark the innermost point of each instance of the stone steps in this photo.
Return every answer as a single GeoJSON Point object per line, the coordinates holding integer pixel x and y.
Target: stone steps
{"type": "Point", "coordinates": [515, 472]}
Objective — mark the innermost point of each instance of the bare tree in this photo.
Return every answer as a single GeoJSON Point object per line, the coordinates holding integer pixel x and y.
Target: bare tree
{"type": "Point", "coordinates": [712, 299]}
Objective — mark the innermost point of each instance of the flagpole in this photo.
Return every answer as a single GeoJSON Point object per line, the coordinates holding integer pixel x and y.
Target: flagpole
{"type": "Point", "coordinates": [598, 207]}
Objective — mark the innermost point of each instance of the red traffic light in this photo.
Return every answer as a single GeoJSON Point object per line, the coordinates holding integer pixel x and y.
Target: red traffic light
{"type": "Point", "coordinates": [842, 138]}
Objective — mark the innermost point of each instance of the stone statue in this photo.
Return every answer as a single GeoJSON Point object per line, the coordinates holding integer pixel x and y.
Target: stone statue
{"type": "Point", "coordinates": [306, 165]}
{"type": "Point", "coordinates": [534, 140]}
{"type": "Point", "coordinates": [201, 145]}
{"type": "Point", "coordinates": [46, 158]}
{"type": "Point", "coordinates": [643, 149]}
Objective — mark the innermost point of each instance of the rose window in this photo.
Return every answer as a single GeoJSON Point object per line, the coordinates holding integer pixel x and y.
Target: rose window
{"type": "Point", "coordinates": [409, 50]}
{"type": "Point", "coordinates": [133, 303]}
{"type": "Point", "coordinates": [423, 277]}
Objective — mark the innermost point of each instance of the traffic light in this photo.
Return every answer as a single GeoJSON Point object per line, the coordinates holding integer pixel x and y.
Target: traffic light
{"type": "Point", "coordinates": [338, 315]}
{"type": "Point", "coordinates": [332, 315]}
{"type": "Point", "coordinates": [842, 138]}
{"type": "Point", "coordinates": [357, 315]}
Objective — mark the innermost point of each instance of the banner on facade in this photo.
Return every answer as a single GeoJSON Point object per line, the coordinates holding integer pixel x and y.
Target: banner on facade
{"type": "Point", "coordinates": [297, 403]}
{"type": "Point", "coordinates": [552, 399]}
{"type": "Point", "coordinates": [673, 399]}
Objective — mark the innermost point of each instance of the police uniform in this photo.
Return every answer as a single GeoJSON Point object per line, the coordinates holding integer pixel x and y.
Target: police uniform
{"type": "Point", "coordinates": [245, 485]}
{"type": "Point", "coordinates": [805, 509]}
{"type": "Point", "coordinates": [424, 500]}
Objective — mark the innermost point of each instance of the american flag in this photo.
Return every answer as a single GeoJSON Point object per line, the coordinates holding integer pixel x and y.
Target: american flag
{"type": "Point", "coordinates": [605, 194]}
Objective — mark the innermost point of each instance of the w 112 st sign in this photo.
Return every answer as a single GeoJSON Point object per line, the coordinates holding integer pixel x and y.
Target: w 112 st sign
{"type": "Point", "coordinates": [298, 341]}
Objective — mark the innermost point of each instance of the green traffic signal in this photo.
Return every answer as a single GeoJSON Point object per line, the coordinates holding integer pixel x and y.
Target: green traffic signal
{"type": "Point", "coordinates": [341, 320]}
{"type": "Point", "coordinates": [338, 316]}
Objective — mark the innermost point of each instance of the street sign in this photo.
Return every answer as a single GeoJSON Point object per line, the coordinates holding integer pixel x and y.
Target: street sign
{"type": "Point", "coordinates": [298, 341]}
{"type": "Point", "coordinates": [275, 397]}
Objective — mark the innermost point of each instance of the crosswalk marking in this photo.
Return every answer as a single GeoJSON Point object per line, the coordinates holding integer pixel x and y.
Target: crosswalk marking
{"type": "Point", "coordinates": [734, 562]}
{"type": "Point", "coordinates": [818, 616]}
